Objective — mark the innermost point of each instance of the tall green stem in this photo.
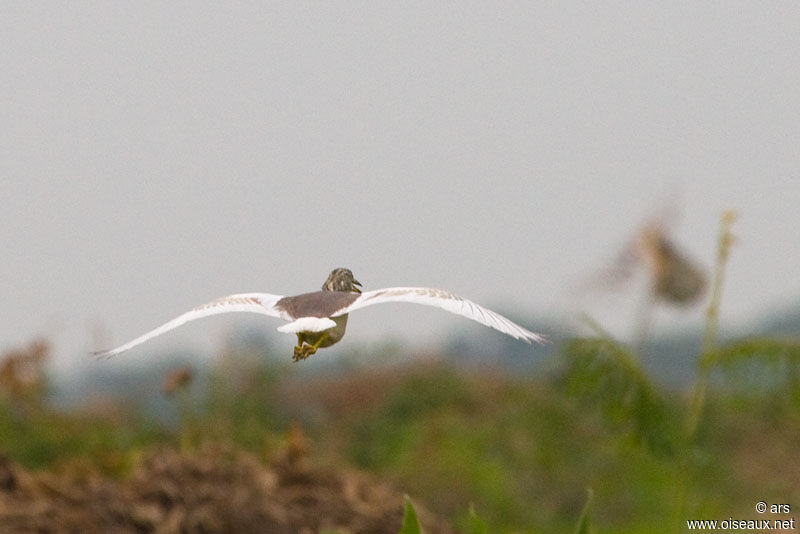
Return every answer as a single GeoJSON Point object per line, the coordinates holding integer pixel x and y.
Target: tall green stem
{"type": "Point", "coordinates": [705, 363]}
{"type": "Point", "coordinates": [724, 242]}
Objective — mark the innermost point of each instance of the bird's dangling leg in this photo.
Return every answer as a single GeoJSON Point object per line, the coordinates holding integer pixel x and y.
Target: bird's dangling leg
{"type": "Point", "coordinates": [298, 350]}
{"type": "Point", "coordinates": [301, 352]}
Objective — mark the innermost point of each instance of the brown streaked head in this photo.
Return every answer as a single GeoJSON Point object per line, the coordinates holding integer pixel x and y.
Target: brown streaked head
{"type": "Point", "coordinates": [341, 279]}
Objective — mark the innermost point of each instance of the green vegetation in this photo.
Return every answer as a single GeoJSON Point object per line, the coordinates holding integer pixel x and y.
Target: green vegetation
{"type": "Point", "coordinates": [410, 520]}
{"type": "Point", "coordinates": [521, 450]}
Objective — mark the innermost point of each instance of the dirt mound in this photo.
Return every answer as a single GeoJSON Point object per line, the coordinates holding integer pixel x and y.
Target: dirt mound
{"type": "Point", "coordinates": [212, 490]}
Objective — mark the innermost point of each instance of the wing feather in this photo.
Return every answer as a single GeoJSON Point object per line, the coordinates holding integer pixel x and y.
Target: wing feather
{"type": "Point", "coordinates": [445, 300]}
{"type": "Point", "coordinates": [262, 303]}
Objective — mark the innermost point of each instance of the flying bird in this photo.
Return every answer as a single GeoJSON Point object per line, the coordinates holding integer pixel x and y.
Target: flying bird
{"type": "Point", "coordinates": [319, 319]}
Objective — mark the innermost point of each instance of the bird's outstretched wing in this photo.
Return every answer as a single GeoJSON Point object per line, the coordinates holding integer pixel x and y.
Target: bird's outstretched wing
{"type": "Point", "coordinates": [263, 303]}
{"type": "Point", "coordinates": [445, 300]}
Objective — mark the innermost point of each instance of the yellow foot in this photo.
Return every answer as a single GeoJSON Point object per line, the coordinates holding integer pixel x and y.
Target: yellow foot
{"type": "Point", "coordinates": [301, 353]}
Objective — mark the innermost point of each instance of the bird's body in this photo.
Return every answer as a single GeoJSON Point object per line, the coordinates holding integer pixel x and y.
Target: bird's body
{"type": "Point", "coordinates": [327, 337]}
{"type": "Point", "coordinates": [319, 319]}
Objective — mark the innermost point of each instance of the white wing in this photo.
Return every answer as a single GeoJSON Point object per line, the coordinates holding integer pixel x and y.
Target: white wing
{"type": "Point", "coordinates": [263, 303]}
{"type": "Point", "coordinates": [445, 300]}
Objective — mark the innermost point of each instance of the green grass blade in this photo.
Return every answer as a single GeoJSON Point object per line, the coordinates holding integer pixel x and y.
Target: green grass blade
{"type": "Point", "coordinates": [475, 524]}
{"type": "Point", "coordinates": [410, 520]}
{"type": "Point", "coordinates": [583, 521]}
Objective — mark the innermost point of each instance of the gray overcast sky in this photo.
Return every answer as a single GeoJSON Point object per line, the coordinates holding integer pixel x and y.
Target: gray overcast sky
{"type": "Point", "coordinates": [155, 155]}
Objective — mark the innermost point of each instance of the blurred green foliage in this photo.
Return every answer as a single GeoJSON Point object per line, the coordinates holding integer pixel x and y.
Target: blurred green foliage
{"type": "Point", "coordinates": [756, 364]}
{"type": "Point", "coordinates": [43, 439]}
{"type": "Point", "coordinates": [518, 450]}
{"type": "Point", "coordinates": [606, 373]}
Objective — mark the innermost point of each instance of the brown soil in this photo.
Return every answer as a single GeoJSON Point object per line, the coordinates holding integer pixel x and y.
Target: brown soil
{"type": "Point", "coordinates": [208, 491]}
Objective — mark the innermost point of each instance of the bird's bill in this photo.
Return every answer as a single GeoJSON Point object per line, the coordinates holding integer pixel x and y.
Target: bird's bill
{"type": "Point", "coordinates": [356, 283]}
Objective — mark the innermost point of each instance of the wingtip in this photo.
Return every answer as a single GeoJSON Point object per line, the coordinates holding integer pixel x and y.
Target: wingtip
{"type": "Point", "coordinates": [538, 338]}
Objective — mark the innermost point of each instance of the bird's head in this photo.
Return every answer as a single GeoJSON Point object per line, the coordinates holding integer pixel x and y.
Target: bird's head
{"type": "Point", "coordinates": [341, 279]}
